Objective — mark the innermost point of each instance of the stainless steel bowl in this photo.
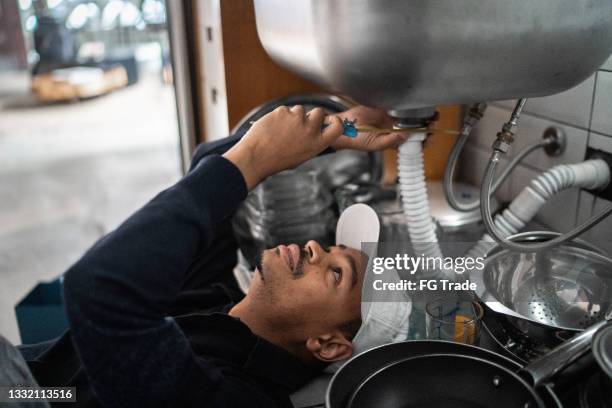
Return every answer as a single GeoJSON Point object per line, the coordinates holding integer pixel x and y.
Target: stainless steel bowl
{"type": "Point", "coordinates": [547, 296]}
{"type": "Point", "coordinates": [405, 54]}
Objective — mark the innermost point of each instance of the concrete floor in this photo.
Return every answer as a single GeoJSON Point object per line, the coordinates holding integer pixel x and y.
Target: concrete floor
{"type": "Point", "coordinates": [71, 172]}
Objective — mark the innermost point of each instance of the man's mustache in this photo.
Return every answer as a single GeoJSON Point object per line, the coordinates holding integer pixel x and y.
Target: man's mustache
{"type": "Point", "coordinates": [298, 271]}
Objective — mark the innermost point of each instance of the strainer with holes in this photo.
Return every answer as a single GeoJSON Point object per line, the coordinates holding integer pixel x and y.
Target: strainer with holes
{"type": "Point", "coordinates": [548, 296]}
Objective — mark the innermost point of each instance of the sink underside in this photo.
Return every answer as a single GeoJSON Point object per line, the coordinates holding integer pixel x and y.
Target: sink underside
{"type": "Point", "coordinates": [404, 54]}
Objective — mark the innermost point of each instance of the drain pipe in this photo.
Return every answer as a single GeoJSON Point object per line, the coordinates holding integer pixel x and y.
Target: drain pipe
{"type": "Point", "coordinates": [591, 174]}
{"type": "Point", "coordinates": [415, 205]}
{"type": "Point", "coordinates": [500, 148]}
{"type": "Point", "coordinates": [413, 189]}
{"type": "Point", "coordinates": [415, 202]}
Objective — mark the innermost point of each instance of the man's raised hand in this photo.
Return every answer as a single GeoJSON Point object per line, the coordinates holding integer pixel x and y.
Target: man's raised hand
{"type": "Point", "coordinates": [281, 140]}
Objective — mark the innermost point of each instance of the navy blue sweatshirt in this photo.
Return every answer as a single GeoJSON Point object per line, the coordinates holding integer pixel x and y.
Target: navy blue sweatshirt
{"type": "Point", "coordinates": [119, 296]}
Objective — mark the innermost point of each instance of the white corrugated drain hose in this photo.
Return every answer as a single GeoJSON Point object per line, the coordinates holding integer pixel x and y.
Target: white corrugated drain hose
{"type": "Point", "coordinates": [415, 202]}
{"type": "Point", "coordinates": [590, 174]}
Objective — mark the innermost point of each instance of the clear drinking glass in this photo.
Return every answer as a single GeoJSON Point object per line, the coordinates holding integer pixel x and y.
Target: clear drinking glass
{"type": "Point", "coordinates": [454, 320]}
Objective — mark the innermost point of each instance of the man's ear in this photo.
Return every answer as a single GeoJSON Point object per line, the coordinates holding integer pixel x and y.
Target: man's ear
{"type": "Point", "coordinates": [330, 347]}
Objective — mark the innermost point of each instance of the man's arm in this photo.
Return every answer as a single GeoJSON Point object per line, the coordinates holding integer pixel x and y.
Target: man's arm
{"type": "Point", "coordinates": [366, 141]}
{"type": "Point", "coordinates": [118, 294]}
{"type": "Point", "coordinates": [217, 147]}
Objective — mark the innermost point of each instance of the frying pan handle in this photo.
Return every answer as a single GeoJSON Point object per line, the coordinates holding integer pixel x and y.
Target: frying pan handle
{"type": "Point", "coordinates": [546, 367]}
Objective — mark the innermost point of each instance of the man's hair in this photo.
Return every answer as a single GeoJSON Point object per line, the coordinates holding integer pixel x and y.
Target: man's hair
{"type": "Point", "coordinates": [350, 328]}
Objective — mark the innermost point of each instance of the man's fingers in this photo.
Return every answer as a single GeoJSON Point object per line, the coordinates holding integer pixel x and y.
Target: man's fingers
{"type": "Point", "coordinates": [299, 110]}
{"type": "Point", "coordinates": [315, 118]}
{"type": "Point", "coordinates": [333, 131]}
{"type": "Point", "coordinates": [387, 140]}
{"type": "Point", "coordinates": [281, 109]}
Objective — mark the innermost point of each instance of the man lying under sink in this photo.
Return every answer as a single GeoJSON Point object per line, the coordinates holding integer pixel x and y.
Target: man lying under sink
{"type": "Point", "coordinates": [156, 317]}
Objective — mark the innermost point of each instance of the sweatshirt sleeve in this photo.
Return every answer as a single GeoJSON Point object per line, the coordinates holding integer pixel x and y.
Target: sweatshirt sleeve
{"type": "Point", "coordinates": [118, 294]}
{"type": "Point", "coordinates": [222, 145]}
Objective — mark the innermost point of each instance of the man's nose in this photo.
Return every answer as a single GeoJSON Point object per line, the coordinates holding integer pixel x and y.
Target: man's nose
{"type": "Point", "coordinates": [315, 251]}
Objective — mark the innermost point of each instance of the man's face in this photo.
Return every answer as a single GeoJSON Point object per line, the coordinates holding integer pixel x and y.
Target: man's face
{"type": "Point", "coordinates": [309, 290]}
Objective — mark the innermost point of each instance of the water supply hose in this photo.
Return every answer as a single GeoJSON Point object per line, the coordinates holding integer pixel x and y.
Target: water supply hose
{"type": "Point", "coordinates": [591, 174]}
{"type": "Point", "coordinates": [516, 160]}
{"type": "Point", "coordinates": [470, 120]}
{"type": "Point", "coordinates": [542, 188]}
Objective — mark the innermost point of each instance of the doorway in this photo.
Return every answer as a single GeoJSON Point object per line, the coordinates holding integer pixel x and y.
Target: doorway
{"type": "Point", "coordinates": [88, 131]}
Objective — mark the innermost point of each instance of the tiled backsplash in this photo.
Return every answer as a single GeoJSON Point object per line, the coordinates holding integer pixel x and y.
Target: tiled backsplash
{"type": "Point", "coordinates": [584, 113]}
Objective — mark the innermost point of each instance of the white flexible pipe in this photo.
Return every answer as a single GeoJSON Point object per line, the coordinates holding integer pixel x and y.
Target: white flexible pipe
{"type": "Point", "coordinates": [591, 174]}
{"type": "Point", "coordinates": [415, 203]}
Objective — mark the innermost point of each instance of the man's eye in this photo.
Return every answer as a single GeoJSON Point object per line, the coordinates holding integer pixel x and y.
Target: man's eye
{"type": "Point", "coordinates": [337, 273]}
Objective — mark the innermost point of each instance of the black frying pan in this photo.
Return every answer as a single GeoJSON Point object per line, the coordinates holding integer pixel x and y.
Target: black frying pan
{"type": "Point", "coordinates": [440, 374]}
{"type": "Point", "coordinates": [430, 373]}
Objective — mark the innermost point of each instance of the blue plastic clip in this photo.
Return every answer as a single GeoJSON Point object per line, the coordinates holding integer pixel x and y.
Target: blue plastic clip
{"type": "Point", "coordinates": [348, 126]}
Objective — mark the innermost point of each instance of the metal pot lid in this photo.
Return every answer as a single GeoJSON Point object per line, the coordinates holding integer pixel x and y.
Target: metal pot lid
{"type": "Point", "coordinates": [447, 217]}
{"type": "Point", "coordinates": [602, 348]}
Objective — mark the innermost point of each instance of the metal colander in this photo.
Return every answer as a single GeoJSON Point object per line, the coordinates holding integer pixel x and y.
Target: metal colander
{"type": "Point", "coordinates": [561, 302]}
{"type": "Point", "coordinates": [568, 287]}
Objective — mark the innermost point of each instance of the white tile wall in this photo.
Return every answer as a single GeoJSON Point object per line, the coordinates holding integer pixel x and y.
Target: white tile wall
{"type": "Point", "coordinates": [485, 132]}
{"type": "Point", "coordinates": [602, 109]}
{"type": "Point", "coordinates": [601, 234]}
{"type": "Point", "coordinates": [584, 113]}
{"type": "Point", "coordinates": [530, 130]}
{"type": "Point", "coordinates": [600, 142]}
{"type": "Point", "coordinates": [608, 64]}
{"type": "Point", "coordinates": [586, 201]}
{"type": "Point", "coordinates": [566, 107]}
{"type": "Point", "coordinates": [473, 173]}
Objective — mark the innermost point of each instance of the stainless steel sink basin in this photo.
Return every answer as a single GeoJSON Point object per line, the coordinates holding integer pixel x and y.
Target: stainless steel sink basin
{"type": "Point", "coordinates": [404, 54]}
